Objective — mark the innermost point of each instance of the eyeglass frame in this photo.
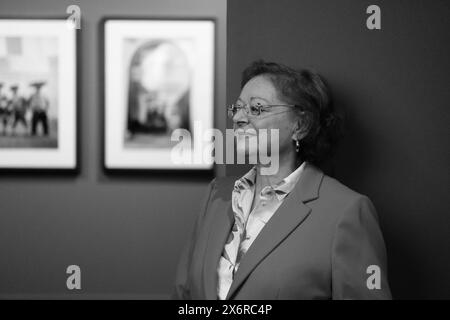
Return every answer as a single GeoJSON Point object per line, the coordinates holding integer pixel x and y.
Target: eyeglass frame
{"type": "Point", "coordinates": [248, 112]}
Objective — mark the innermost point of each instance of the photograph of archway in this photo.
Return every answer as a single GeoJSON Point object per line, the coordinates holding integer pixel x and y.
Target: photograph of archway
{"type": "Point", "coordinates": [159, 79]}
{"type": "Point", "coordinates": [159, 86]}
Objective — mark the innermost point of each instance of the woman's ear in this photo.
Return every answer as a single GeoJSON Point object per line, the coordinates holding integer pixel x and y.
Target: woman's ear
{"type": "Point", "coordinates": [300, 130]}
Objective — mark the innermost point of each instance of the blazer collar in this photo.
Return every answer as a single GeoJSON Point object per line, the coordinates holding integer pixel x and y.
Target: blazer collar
{"type": "Point", "coordinates": [308, 186]}
{"type": "Point", "coordinates": [289, 215]}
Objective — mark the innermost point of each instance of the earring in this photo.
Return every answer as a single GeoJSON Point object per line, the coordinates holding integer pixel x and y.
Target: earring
{"type": "Point", "coordinates": [297, 146]}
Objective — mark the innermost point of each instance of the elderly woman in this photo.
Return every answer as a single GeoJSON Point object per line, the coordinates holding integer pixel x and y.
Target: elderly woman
{"type": "Point", "coordinates": [295, 234]}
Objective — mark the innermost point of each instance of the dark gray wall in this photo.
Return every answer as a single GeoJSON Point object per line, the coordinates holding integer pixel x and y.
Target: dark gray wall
{"type": "Point", "coordinates": [126, 233]}
{"type": "Point", "coordinates": [393, 85]}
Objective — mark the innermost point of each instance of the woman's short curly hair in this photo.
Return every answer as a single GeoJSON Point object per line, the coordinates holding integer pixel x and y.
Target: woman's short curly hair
{"type": "Point", "coordinates": [308, 90]}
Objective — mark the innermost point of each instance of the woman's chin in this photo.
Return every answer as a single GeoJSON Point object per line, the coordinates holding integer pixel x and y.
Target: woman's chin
{"type": "Point", "coordinates": [249, 156]}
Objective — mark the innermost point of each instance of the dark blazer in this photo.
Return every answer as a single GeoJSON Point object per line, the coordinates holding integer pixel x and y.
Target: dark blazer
{"type": "Point", "coordinates": [317, 245]}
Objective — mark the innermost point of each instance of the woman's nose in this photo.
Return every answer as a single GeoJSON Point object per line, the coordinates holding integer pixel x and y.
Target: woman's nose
{"type": "Point", "coordinates": [240, 118]}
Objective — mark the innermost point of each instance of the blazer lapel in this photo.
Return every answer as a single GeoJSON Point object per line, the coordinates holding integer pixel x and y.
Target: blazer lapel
{"type": "Point", "coordinates": [289, 215]}
{"type": "Point", "coordinates": [220, 227]}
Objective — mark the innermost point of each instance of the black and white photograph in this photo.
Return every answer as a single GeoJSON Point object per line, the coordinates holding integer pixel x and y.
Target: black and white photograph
{"type": "Point", "coordinates": [37, 94]}
{"type": "Point", "coordinates": [224, 158]}
{"type": "Point", "coordinates": [159, 77]}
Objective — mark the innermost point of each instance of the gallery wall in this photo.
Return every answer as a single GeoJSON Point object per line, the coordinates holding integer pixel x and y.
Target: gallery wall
{"type": "Point", "coordinates": [393, 85]}
{"type": "Point", "coordinates": [124, 231]}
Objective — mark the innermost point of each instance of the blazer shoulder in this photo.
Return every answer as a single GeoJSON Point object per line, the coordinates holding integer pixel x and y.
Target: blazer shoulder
{"type": "Point", "coordinates": [332, 184]}
{"type": "Point", "coordinates": [344, 206]}
{"type": "Point", "coordinates": [223, 186]}
{"type": "Point", "coordinates": [225, 181]}
{"type": "Point", "coordinates": [339, 195]}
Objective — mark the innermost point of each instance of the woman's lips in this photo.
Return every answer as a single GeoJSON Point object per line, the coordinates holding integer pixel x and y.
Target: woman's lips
{"type": "Point", "coordinates": [245, 132]}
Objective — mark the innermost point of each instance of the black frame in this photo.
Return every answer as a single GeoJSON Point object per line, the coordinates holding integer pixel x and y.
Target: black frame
{"type": "Point", "coordinates": [138, 172]}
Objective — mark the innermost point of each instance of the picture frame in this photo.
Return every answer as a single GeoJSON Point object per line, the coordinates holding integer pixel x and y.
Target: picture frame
{"type": "Point", "coordinates": [158, 79]}
{"type": "Point", "coordinates": [38, 98]}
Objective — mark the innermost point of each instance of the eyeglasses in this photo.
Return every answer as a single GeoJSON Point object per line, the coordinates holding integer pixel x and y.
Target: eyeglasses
{"type": "Point", "coordinates": [254, 110]}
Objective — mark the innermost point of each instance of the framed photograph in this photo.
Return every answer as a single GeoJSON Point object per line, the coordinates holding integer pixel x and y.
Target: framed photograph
{"type": "Point", "coordinates": [37, 94]}
{"type": "Point", "coordinates": [159, 90]}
